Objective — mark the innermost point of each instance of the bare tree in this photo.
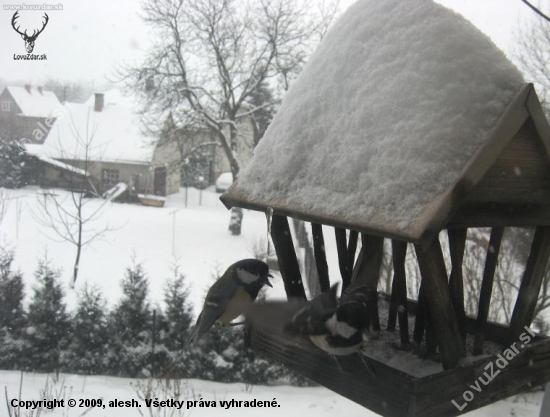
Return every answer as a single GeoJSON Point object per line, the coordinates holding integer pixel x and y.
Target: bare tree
{"type": "Point", "coordinates": [212, 56]}
{"type": "Point", "coordinates": [532, 52]}
{"type": "Point", "coordinates": [72, 216]}
{"type": "Point", "coordinates": [66, 90]}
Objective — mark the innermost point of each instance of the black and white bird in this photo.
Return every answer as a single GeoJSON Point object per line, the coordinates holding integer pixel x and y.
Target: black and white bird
{"type": "Point", "coordinates": [339, 328]}
{"type": "Point", "coordinates": [231, 295]}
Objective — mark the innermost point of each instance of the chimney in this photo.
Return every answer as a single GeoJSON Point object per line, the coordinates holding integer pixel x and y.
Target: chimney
{"type": "Point", "coordinates": [28, 88]}
{"type": "Point", "coordinates": [99, 101]}
{"type": "Point", "coordinates": [40, 90]}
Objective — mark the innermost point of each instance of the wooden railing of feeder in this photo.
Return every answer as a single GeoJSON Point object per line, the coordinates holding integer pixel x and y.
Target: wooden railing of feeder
{"type": "Point", "coordinates": [487, 195]}
{"type": "Point", "coordinates": [440, 325]}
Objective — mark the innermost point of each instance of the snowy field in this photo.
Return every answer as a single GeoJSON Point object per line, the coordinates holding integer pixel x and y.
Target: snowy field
{"type": "Point", "coordinates": [318, 402]}
{"type": "Point", "coordinates": [202, 243]}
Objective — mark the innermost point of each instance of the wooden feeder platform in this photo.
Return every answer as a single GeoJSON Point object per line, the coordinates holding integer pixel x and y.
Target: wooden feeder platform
{"type": "Point", "coordinates": [413, 384]}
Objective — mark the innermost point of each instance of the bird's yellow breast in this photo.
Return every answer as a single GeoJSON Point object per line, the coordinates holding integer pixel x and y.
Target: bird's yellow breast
{"type": "Point", "coordinates": [236, 306]}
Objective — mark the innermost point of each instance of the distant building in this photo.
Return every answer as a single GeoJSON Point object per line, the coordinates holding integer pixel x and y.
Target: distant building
{"type": "Point", "coordinates": [102, 140]}
{"type": "Point", "coordinates": [27, 112]}
{"type": "Point", "coordinates": [202, 154]}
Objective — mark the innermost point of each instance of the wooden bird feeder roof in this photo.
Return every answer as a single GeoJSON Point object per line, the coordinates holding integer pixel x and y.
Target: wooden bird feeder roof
{"type": "Point", "coordinates": [405, 116]}
{"type": "Point", "coordinates": [408, 121]}
{"type": "Point", "coordinates": [506, 183]}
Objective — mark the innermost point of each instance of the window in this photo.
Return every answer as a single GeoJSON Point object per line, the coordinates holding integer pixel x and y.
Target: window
{"type": "Point", "coordinates": [6, 105]}
{"type": "Point", "coordinates": [110, 177]}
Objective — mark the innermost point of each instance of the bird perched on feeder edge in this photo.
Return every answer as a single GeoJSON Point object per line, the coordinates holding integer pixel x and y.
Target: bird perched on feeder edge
{"type": "Point", "coordinates": [231, 295]}
{"type": "Point", "coordinates": [338, 328]}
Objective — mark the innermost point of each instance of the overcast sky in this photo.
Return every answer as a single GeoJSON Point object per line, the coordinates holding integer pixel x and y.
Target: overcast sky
{"type": "Point", "coordinates": [87, 39]}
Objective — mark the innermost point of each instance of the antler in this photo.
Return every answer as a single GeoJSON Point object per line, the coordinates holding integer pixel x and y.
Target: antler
{"type": "Point", "coordinates": [43, 26]}
{"type": "Point", "coordinates": [35, 35]}
{"type": "Point", "coordinates": [13, 19]}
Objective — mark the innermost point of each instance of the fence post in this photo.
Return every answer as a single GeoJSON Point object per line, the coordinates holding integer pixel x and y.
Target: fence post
{"type": "Point", "coordinates": [153, 341]}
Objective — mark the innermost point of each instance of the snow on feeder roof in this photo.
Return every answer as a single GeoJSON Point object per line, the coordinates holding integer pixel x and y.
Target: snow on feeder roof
{"type": "Point", "coordinates": [383, 122]}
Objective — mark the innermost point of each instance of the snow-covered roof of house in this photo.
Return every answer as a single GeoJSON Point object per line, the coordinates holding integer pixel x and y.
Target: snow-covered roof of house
{"type": "Point", "coordinates": [35, 103]}
{"type": "Point", "coordinates": [114, 134]}
{"type": "Point", "coordinates": [383, 121]}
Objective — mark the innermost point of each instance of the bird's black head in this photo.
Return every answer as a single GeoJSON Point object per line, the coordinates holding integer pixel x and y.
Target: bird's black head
{"type": "Point", "coordinates": [252, 274]}
{"type": "Point", "coordinates": [355, 313]}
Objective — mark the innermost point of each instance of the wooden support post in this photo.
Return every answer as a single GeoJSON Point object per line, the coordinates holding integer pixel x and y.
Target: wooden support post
{"type": "Point", "coordinates": [320, 256]}
{"type": "Point", "coordinates": [367, 272]}
{"type": "Point", "coordinates": [431, 338]}
{"type": "Point", "coordinates": [545, 407]}
{"type": "Point", "coordinates": [394, 304]}
{"type": "Point", "coordinates": [420, 319]}
{"type": "Point", "coordinates": [343, 256]}
{"type": "Point", "coordinates": [457, 243]}
{"type": "Point", "coordinates": [352, 248]}
{"type": "Point", "coordinates": [487, 287]}
{"type": "Point", "coordinates": [531, 282]}
{"type": "Point", "coordinates": [398, 305]}
{"type": "Point", "coordinates": [288, 263]}
{"type": "Point", "coordinates": [438, 299]}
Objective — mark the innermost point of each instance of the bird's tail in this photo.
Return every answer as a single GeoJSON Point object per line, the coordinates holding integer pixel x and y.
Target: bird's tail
{"type": "Point", "coordinates": [204, 323]}
{"type": "Point", "coordinates": [193, 338]}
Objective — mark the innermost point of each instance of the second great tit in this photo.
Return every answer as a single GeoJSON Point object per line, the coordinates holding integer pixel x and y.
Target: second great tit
{"type": "Point", "coordinates": [339, 327]}
{"type": "Point", "coordinates": [231, 294]}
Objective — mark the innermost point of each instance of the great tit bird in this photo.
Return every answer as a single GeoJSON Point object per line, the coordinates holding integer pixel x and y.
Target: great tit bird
{"type": "Point", "coordinates": [231, 294]}
{"type": "Point", "coordinates": [337, 327]}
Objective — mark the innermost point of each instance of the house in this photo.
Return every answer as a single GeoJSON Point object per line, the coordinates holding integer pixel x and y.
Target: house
{"type": "Point", "coordinates": [27, 112]}
{"type": "Point", "coordinates": [103, 140]}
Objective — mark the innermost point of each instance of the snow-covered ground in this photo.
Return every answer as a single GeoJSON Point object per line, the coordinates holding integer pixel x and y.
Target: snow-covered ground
{"type": "Point", "coordinates": [202, 242]}
{"type": "Point", "coordinates": [318, 402]}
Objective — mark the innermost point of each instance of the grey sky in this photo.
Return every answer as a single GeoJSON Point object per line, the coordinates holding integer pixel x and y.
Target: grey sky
{"type": "Point", "coordinates": [87, 39]}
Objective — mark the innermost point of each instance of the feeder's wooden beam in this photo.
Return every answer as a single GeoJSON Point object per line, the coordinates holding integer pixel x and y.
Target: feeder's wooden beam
{"type": "Point", "coordinates": [288, 262]}
{"type": "Point", "coordinates": [434, 394]}
{"type": "Point", "coordinates": [320, 256]}
{"type": "Point", "coordinates": [531, 282]}
{"type": "Point", "coordinates": [398, 305]}
{"type": "Point", "coordinates": [457, 244]}
{"type": "Point", "coordinates": [367, 272]}
{"type": "Point", "coordinates": [438, 299]}
{"type": "Point", "coordinates": [382, 389]}
{"type": "Point", "coordinates": [487, 287]}
{"type": "Point", "coordinates": [343, 256]}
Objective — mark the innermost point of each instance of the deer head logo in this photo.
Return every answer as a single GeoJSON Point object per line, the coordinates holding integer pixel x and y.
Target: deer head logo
{"type": "Point", "coordinates": [29, 40]}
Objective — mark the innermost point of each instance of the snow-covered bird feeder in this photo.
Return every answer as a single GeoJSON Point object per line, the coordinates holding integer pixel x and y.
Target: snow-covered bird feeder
{"type": "Point", "coordinates": [408, 124]}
